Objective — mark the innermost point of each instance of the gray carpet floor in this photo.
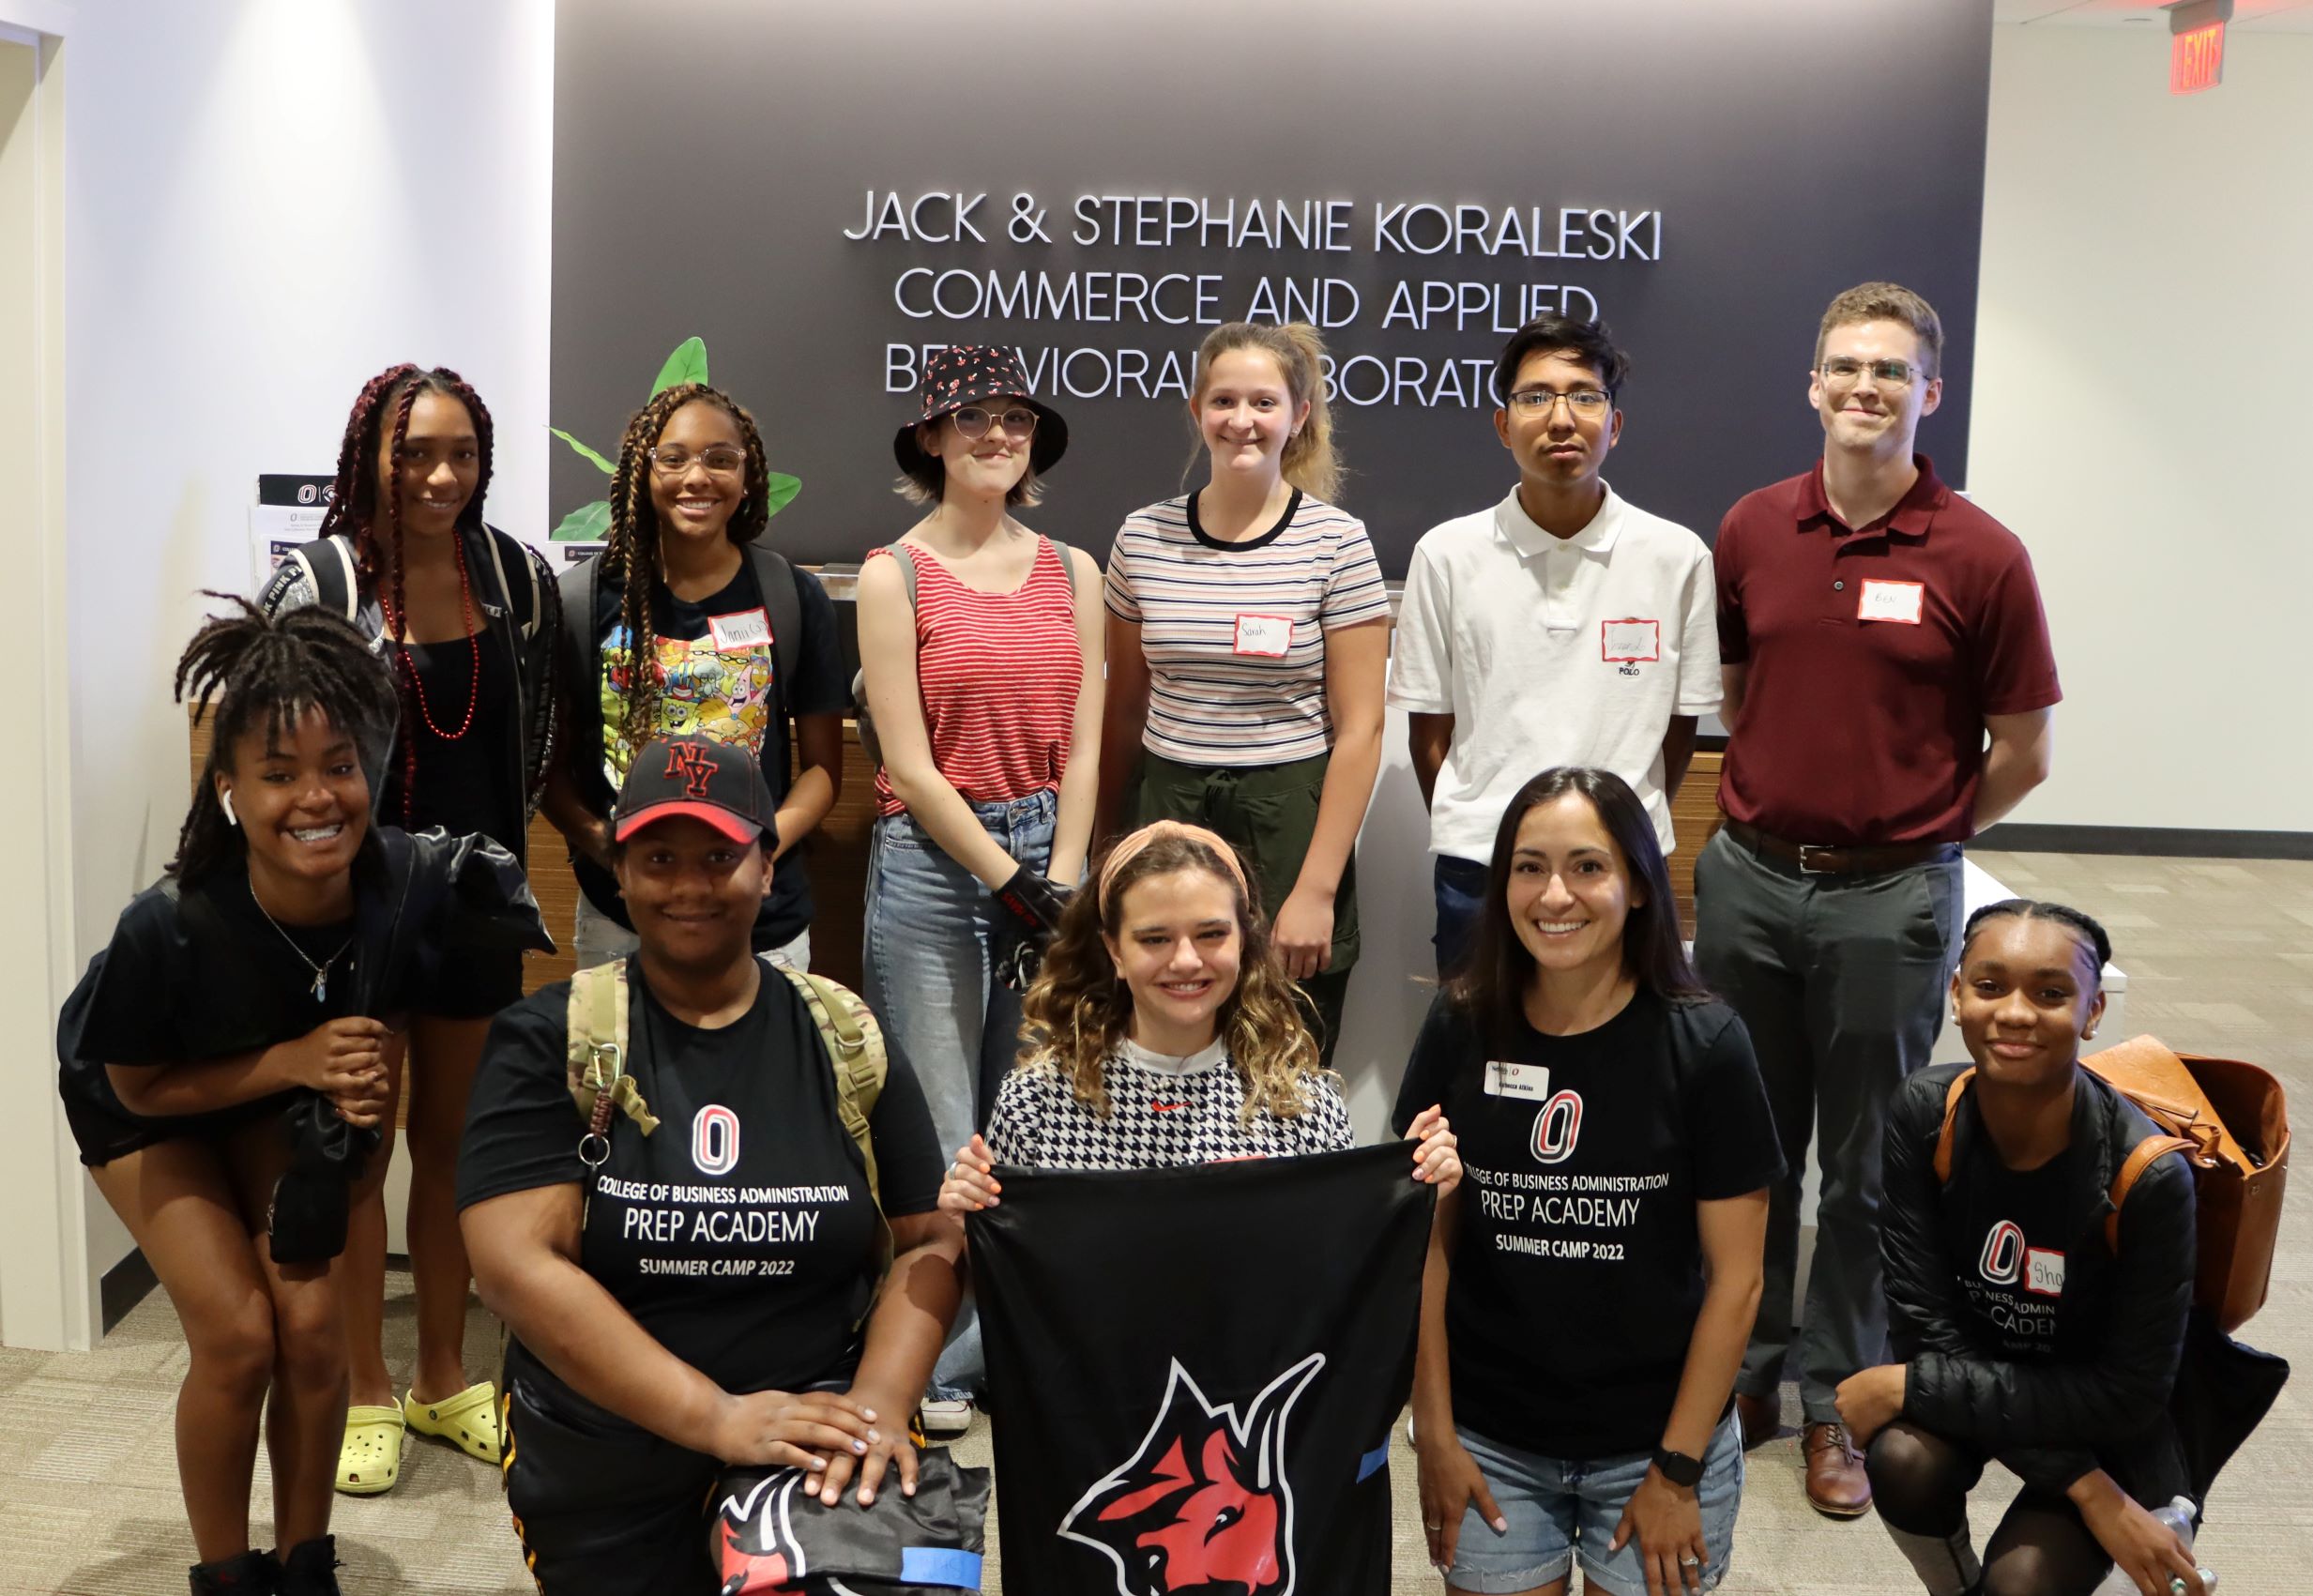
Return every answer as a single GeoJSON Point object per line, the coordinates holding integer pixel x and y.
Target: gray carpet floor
{"type": "Point", "coordinates": [2219, 956]}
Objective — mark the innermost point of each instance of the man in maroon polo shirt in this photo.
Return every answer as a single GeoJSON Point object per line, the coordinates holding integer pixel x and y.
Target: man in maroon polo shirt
{"type": "Point", "coordinates": [1887, 691]}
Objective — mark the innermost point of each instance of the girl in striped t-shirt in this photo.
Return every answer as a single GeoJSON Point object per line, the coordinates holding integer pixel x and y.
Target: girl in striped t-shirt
{"type": "Point", "coordinates": [1248, 640]}
{"type": "Point", "coordinates": [981, 644]}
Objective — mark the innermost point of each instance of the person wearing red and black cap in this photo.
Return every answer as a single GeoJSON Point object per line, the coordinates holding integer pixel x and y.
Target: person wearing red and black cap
{"type": "Point", "coordinates": [702, 1292]}
{"type": "Point", "coordinates": [980, 643]}
{"type": "Point", "coordinates": [1888, 687]}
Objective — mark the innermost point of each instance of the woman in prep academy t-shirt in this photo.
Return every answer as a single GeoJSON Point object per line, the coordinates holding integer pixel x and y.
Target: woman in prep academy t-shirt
{"type": "Point", "coordinates": [704, 1293]}
{"type": "Point", "coordinates": [1593, 1281]}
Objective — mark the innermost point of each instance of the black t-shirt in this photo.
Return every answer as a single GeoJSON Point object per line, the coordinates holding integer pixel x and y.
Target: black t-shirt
{"type": "Point", "coordinates": [2012, 1232]}
{"type": "Point", "coordinates": [740, 1233]}
{"type": "Point", "coordinates": [722, 681]}
{"type": "Point", "coordinates": [1577, 1272]}
{"type": "Point", "coordinates": [463, 781]}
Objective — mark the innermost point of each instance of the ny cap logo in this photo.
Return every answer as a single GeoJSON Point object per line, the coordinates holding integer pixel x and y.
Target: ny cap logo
{"type": "Point", "coordinates": [690, 761]}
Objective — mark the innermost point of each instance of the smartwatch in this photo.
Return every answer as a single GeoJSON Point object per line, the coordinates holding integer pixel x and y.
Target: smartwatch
{"type": "Point", "coordinates": [1677, 1468]}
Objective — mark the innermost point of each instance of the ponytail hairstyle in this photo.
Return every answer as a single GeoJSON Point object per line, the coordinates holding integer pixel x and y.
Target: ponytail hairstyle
{"type": "Point", "coordinates": [1079, 1011]}
{"type": "Point", "coordinates": [632, 552]}
{"type": "Point", "coordinates": [265, 672]}
{"type": "Point", "coordinates": [1492, 984]}
{"type": "Point", "coordinates": [379, 427]}
{"type": "Point", "coordinates": [1309, 461]}
{"type": "Point", "coordinates": [2086, 931]}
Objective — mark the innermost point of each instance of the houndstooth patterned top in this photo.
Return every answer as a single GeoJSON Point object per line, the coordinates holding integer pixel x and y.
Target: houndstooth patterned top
{"type": "Point", "coordinates": [1164, 1113]}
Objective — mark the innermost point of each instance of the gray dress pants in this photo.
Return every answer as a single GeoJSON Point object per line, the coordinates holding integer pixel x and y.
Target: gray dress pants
{"type": "Point", "coordinates": [1842, 982]}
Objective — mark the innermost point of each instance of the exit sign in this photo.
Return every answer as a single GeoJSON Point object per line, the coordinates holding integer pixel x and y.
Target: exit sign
{"type": "Point", "coordinates": [2197, 59]}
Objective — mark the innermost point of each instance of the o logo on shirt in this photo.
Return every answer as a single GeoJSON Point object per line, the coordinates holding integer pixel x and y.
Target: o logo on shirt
{"type": "Point", "coordinates": [2003, 1263]}
{"type": "Point", "coordinates": [714, 1140]}
{"type": "Point", "coordinates": [1556, 1125]}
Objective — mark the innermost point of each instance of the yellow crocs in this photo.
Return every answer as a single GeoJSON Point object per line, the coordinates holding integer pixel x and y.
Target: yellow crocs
{"type": "Point", "coordinates": [468, 1421]}
{"type": "Point", "coordinates": [370, 1461]}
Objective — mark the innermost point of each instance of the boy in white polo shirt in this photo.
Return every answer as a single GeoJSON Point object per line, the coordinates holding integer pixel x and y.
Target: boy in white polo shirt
{"type": "Point", "coordinates": [1563, 625]}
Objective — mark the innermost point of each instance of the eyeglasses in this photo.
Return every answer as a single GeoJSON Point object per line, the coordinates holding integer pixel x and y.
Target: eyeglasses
{"type": "Point", "coordinates": [719, 461]}
{"type": "Point", "coordinates": [973, 421]}
{"type": "Point", "coordinates": [1843, 370]}
{"type": "Point", "coordinates": [1584, 403]}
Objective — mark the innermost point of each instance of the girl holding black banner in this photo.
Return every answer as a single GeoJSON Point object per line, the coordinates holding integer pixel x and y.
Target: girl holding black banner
{"type": "Point", "coordinates": [1583, 1315]}
{"type": "Point", "coordinates": [1164, 1032]}
{"type": "Point", "coordinates": [227, 1061]}
{"type": "Point", "coordinates": [466, 620]}
{"type": "Point", "coordinates": [2029, 1331]}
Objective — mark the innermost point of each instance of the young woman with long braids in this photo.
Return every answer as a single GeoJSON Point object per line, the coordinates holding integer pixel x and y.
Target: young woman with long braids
{"type": "Point", "coordinates": [1163, 1032]}
{"type": "Point", "coordinates": [1583, 1319]}
{"type": "Point", "coordinates": [743, 648]}
{"type": "Point", "coordinates": [981, 645]}
{"type": "Point", "coordinates": [1248, 647]}
{"type": "Point", "coordinates": [467, 622]}
{"type": "Point", "coordinates": [2031, 1322]}
{"type": "Point", "coordinates": [226, 1061]}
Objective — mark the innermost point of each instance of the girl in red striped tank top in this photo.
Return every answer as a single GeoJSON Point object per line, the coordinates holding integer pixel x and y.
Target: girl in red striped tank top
{"type": "Point", "coordinates": [981, 645]}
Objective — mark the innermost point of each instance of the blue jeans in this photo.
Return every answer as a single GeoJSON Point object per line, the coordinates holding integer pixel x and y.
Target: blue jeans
{"type": "Point", "coordinates": [1562, 1508]}
{"type": "Point", "coordinates": [1460, 885]}
{"type": "Point", "coordinates": [931, 935]}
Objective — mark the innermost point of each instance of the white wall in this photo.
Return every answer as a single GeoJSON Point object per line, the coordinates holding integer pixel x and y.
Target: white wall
{"type": "Point", "coordinates": [268, 202]}
{"type": "Point", "coordinates": [2141, 416]}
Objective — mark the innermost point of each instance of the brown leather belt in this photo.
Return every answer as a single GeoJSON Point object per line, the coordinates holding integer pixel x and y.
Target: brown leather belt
{"type": "Point", "coordinates": [1838, 859]}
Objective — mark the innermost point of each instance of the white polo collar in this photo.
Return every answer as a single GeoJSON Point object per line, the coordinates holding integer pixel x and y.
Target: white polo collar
{"type": "Point", "coordinates": [1518, 529]}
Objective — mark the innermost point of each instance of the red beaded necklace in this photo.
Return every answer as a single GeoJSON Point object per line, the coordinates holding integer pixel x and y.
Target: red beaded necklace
{"type": "Point", "coordinates": [474, 646]}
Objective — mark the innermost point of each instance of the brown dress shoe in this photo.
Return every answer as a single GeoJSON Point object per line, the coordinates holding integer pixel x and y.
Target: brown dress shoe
{"type": "Point", "coordinates": [1760, 1419]}
{"type": "Point", "coordinates": [1836, 1483]}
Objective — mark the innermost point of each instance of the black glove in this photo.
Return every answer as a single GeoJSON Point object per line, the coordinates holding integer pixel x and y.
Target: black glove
{"type": "Point", "coordinates": [1033, 904]}
{"type": "Point", "coordinates": [1034, 899]}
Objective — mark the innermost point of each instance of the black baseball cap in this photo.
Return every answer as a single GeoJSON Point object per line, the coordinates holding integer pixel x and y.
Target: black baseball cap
{"type": "Point", "coordinates": [719, 783]}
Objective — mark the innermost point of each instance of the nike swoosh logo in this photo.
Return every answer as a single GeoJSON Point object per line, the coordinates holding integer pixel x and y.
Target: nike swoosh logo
{"type": "Point", "coordinates": [1166, 1107]}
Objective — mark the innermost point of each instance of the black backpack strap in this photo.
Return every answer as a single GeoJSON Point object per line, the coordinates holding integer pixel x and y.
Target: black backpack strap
{"type": "Point", "coordinates": [782, 604]}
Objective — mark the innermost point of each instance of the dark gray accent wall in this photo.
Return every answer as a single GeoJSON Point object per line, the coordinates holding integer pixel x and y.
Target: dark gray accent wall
{"type": "Point", "coordinates": [709, 156]}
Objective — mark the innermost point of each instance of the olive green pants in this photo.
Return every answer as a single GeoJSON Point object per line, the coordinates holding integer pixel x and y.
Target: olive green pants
{"type": "Point", "coordinates": [1268, 814]}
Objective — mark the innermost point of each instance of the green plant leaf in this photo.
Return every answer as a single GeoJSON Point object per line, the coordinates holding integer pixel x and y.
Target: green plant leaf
{"type": "Point", "coordinates": [688, 364]}
{"type": "Point", "coordinates": [608, 469]}
{"type": "Point", "coordinates": [779, 491]}
{"type": "Point", "coordinates": [588, 524]}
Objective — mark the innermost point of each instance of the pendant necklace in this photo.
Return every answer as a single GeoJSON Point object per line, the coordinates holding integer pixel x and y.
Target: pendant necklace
{"type": "Point", "coordinates": [321, 971]}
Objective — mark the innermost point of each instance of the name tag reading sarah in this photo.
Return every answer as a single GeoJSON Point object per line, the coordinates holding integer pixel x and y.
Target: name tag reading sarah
{"type": "Point", "coordinates": [1528, 1081]}
{"type": "Point", "coordinates": [1269, 636]}
{"type": "Point", "coordinates": [741, 629]}
{"type": "Point", "coordinates": [1896, 602]}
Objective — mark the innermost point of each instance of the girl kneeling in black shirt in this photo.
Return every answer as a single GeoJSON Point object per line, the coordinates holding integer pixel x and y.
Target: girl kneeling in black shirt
{"type": "Point", "coordinates": [703, 1295]}
{"type": "Point", "coordinates": [1593, 1281]}
{"type": "Point", "coordinates": [225, 1060]}
{"type": "Point", "coordinates": [2024, 1334]}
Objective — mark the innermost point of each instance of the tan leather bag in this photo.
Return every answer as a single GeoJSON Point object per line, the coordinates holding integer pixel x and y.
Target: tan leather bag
{"type": "Point", "coordinates": [2232, 1120]}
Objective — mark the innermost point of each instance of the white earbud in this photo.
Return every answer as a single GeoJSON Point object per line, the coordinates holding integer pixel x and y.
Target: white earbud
{"type": "Point", "coordinates": [225, 800]}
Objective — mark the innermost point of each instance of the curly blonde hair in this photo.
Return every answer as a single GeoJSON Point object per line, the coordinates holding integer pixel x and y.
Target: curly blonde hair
{"type": "Point", "coordinates": [1080, 1010]}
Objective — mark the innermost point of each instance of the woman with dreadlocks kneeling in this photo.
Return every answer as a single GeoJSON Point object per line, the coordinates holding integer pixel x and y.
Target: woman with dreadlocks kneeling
{"type": "Point", "coordinates": [467, 622]}
{"type": "Point", "coordinates": [226, 1061]}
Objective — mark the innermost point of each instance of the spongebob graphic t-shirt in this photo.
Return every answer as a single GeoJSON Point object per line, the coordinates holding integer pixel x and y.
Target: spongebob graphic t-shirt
{"type": "Point", "coordinates": [720, 680]}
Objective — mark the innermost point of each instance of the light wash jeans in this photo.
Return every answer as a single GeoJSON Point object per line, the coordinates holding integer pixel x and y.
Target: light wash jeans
{"type": "Point", "coordinates": [597, 939]}
{"type": "Point", "coordinates": [931, 935]}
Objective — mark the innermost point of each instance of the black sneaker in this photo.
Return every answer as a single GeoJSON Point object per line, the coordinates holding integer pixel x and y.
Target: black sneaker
{"type": "Point", "coordinates": [251, 1574]}
{"type": "Point", "coordinates": [310, 1569]}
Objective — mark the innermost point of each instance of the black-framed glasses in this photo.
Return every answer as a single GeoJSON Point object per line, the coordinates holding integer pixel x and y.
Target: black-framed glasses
{"type": "Point", "coordinates": [973, 421]}
{"type": "Point", "coordinates": [723, 462]}
{"type": "Point", "coordinates": [1843, 370]}
{"type": "Point", "coordinates": [1583, 403]}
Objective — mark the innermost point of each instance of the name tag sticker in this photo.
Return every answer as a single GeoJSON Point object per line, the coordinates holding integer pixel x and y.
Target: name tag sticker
{"type": "Point", "coordinates": [1630, 642]}
{"type": "Point", "coordinates": [745, 629]}
{"type": "Point", "coordinates": [2044, 1272]}
{"type": "Point", "coordinates": [1896, 602]}
{"type": "Point", "coordinates": [1269, 636]}
{"type": "Point", "coordinates": [1528, 1081]}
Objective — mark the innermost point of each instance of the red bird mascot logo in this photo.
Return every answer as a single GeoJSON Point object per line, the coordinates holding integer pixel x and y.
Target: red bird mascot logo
{"type": "Point", "coordinates": [1203, 1507]}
